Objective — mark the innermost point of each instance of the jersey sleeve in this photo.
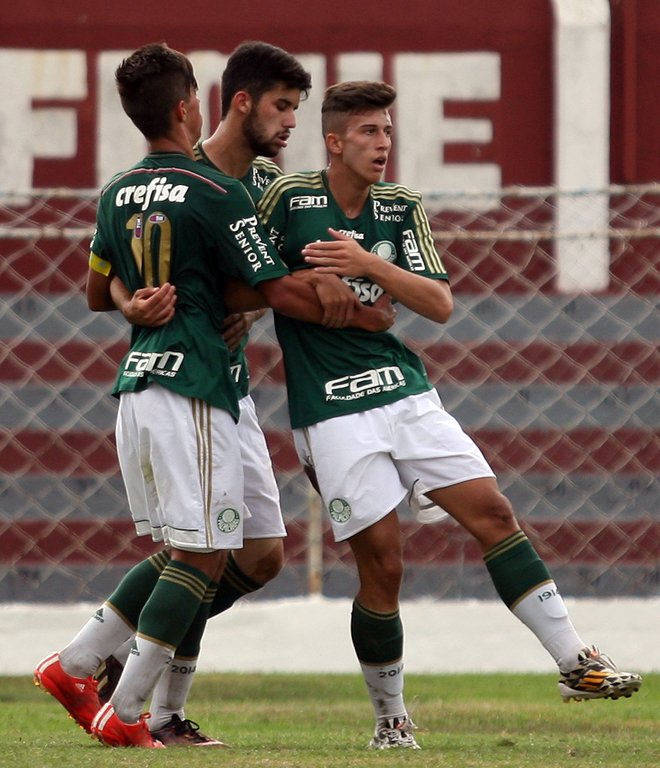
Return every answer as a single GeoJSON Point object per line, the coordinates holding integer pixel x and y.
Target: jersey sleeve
{"type": "Point", "coordinates": [245, 247]}
{"type": "Point", "coordinates": [417, 245]}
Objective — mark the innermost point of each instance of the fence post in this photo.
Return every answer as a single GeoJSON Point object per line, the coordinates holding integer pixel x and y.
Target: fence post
{"type": "Point", "coordinates": [314, 543]}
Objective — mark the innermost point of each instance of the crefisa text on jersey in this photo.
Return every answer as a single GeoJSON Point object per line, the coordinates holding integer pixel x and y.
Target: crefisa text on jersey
{"type": "Point", "coordinates": [156, 191]}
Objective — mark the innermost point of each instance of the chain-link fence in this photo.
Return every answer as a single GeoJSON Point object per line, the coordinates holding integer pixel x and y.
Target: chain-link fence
{"type": "Point", "coordinates": [550, 362]}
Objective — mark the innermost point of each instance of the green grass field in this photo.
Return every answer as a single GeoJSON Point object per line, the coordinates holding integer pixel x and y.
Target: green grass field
{"type": "Point", "coordinates": [325, 721]}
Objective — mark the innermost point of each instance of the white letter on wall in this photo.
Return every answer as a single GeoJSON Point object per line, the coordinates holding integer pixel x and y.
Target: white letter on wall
{"type": "Point", "coordinates": [424, 81]}
{"type": "Point", "coordinates": [27, 133]}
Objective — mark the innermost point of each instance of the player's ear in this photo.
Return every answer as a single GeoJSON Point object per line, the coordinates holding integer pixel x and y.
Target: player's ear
{"type": "Point", "coordinates": [181, 111]}
{"type": "Point", "coordinates": [334, 143]}
{"type": "Point", "coordinates": [242, 102]}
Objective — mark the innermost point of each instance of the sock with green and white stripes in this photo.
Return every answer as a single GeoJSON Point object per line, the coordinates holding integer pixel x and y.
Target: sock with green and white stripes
{"type": "Point", "coordinates": [173, 686]}
{"type": "Point", "coordinates": [378, 642]}
{"type": "Point", "coordinates": [114, 623]}
{"type": "Point", "coordinates": [163, 624]}
{"type": "Point", "coordinates": [525, 585]}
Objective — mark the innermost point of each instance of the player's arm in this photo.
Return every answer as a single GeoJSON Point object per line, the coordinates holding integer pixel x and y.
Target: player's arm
{"type": "Point", "coordinates": [301, 301]}
{"type": "Point", "coordinates": [147, 306]}
{"type": "Point", "coordinates": [151, 307]}
{"type": "Point", "coordinates": [344, 256]}
{"type": "Point", "coordinates": [106, 292]}
{"type": "Point", "coordinates": [237, 325]}
{"type": "Point", "coordinates": [97, 288]}
{"type": "Point", "coordinates": [264, 270]}
{"type": "Point", "coordinates": [241, 297]}
{"type": "Point", "coordinates": [336, 298]}
{"type": "Point", "coordinates": [297, 299]}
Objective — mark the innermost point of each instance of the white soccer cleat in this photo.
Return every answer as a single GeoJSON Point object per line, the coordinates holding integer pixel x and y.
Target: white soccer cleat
{"type": "Point", "coordinates": [394, 733]}
{"type": "Point", "coordinates": [596, 677]}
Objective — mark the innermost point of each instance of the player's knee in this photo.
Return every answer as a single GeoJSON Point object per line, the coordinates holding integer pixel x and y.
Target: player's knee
{"type": "Point", "coordinates": [269, 565]}
{"type": "Point", "coordinates": [388, 572]}
{"type": "Point", "coordinates": [497, 519]}
{"type": "Point", "coordinates": [501, 510]}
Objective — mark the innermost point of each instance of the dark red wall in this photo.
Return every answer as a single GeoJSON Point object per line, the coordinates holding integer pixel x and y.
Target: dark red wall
{"type": "Point", "coordinates": [520, 30]}
{"type": "Point", "coordinates": [635, 137]}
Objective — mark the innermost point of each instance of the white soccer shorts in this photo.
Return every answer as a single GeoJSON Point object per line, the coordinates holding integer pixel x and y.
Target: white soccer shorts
{"type": "Point", "coordinates": [366, 463]}
{"type": "Point", "coordinates": [262, 497]}
{"type": "Point", "coordinates": [182, 468]}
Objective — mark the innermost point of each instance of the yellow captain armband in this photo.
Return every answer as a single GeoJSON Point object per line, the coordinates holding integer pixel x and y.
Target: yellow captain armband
{"type": "Point", "coordinates": [99, 265]}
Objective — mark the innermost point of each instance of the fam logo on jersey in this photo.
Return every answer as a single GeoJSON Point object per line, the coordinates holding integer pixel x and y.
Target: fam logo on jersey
{"type": "Point", "coordinates": [138, 364]}
{"type": "Point", "coordinates": [248, 236]}
{"type": "Point", "coordinates": [228, 520]}
{"type": "Point", "coordinates": [298, 202]}
{"type": "Point", "coordinates": [412, 251]}
{"type": "Point", "coordinates": [371, 382]}
{"type": "Point", "coordinates": [156, 191]}
{"type": "Point", "coordinates": [340, 510]}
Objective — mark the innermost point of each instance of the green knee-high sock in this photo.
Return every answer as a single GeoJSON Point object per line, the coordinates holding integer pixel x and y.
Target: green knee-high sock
{"type": "Point", "coordinates": [515, 568]}
{"type": "Point", "coordinates": [377, 637]}
{"type": "Point", "coordinates": [136, 587]}
{"type": "Point", "coordinates": [191, 644]}
{"type": "Point", "coordinates": [173, 687]}
{"type": "Point", "coordinates": [378, 642]}
{"type": "Point", "coordinates": [233, 584]}
{"type": "Point", "coordinates": [526, 587]}
{"type": "Point", "coordinates": [174, 604]}
{"type": "Point", "coordinates": [164, 622]}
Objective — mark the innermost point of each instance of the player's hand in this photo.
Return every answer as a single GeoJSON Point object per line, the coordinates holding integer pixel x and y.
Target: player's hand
{"type": "Point", "coordinates": [237, 325]}
{"type": "Point", "coordinates": [342, 256]}
{"type": "Point", "coordinates": [151, 307]}
{"type": "Point", "coordinates": [380, 316]}
{"type": "Point", "coordinates": [337, 299]}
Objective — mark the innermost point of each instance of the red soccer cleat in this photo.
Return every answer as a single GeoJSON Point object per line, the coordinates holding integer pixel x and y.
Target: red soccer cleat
{"type": "Point", "coordinates": [109, 729]}
{"type": "Point", "coordinates": [76, 694]}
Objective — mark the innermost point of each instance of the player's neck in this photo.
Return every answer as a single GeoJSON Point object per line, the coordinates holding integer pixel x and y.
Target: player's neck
{"type": "Point", "coordinates": [171, 144]}
{"type": "Point", "coordinates": [229, 152]}
{"type": "Point", "coordinates": [350, 191]}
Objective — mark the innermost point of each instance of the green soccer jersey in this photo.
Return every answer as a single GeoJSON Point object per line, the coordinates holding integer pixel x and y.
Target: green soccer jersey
{"type": "Point", "coordinates": [170, 219]}
{"type": "Point", "coordinates": [332, 372]}
{"type": "Point", "coordinates": [259, 176]}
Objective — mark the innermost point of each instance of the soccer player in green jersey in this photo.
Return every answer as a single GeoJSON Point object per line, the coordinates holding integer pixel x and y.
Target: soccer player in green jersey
{"type": "Point", "coordinates": [262, 86]}
{"type": "Point", "coordinates": [370, 426]}
{"type": "Point", "coordinates": [170, 220]}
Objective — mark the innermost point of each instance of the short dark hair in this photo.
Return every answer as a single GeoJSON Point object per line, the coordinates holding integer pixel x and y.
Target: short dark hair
{"type": "Point", "coordinates": [353, 97]}
{"type": "Point", "coordinates": [257, 67]}
{"type": "Point", "coordinates": [151, 81]}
